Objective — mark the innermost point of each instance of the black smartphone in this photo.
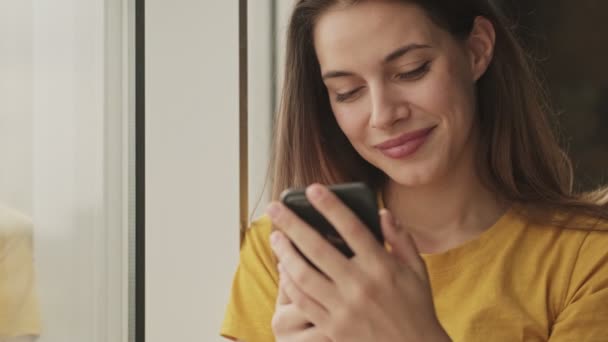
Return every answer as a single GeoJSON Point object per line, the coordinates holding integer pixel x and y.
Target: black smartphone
{"type": "Point", "coordinates": [357, 196]}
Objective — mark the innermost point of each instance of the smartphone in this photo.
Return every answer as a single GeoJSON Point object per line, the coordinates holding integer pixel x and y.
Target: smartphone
{"type": "Point", "coordinates": [357, 196]}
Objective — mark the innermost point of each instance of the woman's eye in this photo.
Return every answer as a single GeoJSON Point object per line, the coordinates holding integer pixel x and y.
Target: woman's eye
{"type": "Point", "coordinates": [414, 74]}
{"type": "Point", "coordinates": [342, 97]}
{"type": "Point", "coordinates": [406, 76]}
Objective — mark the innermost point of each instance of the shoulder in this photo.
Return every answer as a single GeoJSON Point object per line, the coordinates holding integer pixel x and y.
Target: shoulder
{"type": "Point", "coordinates": [583, 246]}
{"type": "Point", "coordinates": [256, 241]}
{"type": "Point", "coordinates": [260, 226]}
{"type": "Point", "coordinates": [592, 253]}
{"type": "Point", "coordinates": [584, 231]}
{"type": "Point", "coordinates": [574, 260]}
{"type": "Point", "coordinates": [587, 285]}
{"type": "Point", "coordinates": [566, 250]}
{"type": "Point", "coordinates": [254, 288]}
{"type": "Point", "coordinates": [565, 230]}
{"type": "Point", "coordinates": [259, 231]}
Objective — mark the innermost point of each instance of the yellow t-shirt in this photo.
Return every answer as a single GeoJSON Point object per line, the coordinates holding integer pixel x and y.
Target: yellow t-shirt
{"type": "Point", "coordinates": [19, 314]}
{"type": "Point", "coordinates": [515, 282]}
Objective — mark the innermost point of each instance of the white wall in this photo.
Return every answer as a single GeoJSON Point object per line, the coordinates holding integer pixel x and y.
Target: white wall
{"type": "Point", "coordinates": [63, 151]}
{"type": "Point", "coordinates": [192, 108]}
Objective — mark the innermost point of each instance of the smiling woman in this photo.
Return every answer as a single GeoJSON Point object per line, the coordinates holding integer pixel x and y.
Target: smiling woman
{"type": "Point", "coordinates": [435, 105]}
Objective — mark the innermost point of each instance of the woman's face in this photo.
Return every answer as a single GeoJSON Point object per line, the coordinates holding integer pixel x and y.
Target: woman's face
{"type": "Point", "coordinates": [401, 88]}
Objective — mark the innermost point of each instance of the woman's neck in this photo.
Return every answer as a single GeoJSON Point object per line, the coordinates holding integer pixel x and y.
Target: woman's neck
{"type": "Point", "coordinates": [445, 214]}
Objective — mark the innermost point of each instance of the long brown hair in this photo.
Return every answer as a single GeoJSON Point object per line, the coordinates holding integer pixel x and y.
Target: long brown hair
{"type": "Point", "coordinates": [518, 149]}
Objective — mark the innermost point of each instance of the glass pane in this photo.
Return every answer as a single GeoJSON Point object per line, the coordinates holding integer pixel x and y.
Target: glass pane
{"type": "Point", "coordinates": [64, 185]}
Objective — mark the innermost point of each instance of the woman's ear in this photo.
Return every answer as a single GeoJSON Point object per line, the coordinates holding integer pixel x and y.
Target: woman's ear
{"type": "Point", "coordinates": [481, 44]}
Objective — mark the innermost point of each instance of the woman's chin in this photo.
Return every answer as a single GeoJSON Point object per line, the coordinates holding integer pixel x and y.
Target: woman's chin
{"type": "Point", "coordinates": [412, 179]}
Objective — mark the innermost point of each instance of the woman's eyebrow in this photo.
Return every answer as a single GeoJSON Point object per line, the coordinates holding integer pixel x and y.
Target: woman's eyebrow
{"type": "Point", "coordinates": [337, 73]}
{"type": "Point", "coordinates": [404, 50]}
{"type": "Point", "coordinates": [389, 58]}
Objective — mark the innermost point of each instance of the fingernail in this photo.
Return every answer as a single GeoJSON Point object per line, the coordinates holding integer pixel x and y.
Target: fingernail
{"type": "Point", "coordinates": [389, 216]}
{"type": "Point", "coordinates": [386, 214]}
{"type": "Point", "coordinates": [274, 238]}
{"type": "Point", "coordinates": [314, 191]}
{"type": "Point", "coordinates": [273, 210]}
{"type": "Point", "coordinates": [280, 268]}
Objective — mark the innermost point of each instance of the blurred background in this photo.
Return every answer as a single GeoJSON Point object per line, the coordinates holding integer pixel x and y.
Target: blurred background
{"type": "Point", "coordinates": [68, 94]}
{"type": "Point", "coordinates": [568, 39]}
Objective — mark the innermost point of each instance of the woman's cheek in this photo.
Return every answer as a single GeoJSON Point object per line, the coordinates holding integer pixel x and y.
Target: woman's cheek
{"type": "Point", "coordinates": [352, 121]}
{"type": "Point", "coordinates": [355, 127]}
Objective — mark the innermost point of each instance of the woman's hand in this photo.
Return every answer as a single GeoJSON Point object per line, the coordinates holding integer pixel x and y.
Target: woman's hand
{"type": "Point", "coordinates": [375, 296]}
{"type": "Point", "coordinates": [290, 324]}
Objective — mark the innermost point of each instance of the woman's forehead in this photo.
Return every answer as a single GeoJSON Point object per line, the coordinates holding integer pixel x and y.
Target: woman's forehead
{"type": "Point", "coordinates": [371, 30]}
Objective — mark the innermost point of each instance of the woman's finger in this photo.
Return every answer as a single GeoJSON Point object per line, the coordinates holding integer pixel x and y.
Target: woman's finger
{"type": "Point", "coordinates": [347, 223]}
{"type": "Point", "coordinates": [282, 298]}
{"type": "Point", "coordinates": [309, 280]}
{"type": "Point", "coordinates": [402, 244]}
{"type": "Point", "coordinates": [325, 256]}
{"type": "Point", "coordinates": [312, 334]}
{"type": "Point", "coordinates": [313, 312]}
{"type": "Point", "coordinates": [288, 318]}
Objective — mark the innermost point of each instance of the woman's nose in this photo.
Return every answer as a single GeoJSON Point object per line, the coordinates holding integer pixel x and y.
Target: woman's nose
{"type": "Point", "coordinates": [388, 106]}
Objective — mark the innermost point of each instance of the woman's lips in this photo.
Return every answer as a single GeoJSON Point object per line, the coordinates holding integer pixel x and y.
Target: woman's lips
{"type": "Point", "coordinates": [406, 144]}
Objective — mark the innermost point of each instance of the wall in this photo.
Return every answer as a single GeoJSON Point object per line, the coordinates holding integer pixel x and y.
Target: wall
{"type": "Point", "coordinates": [192, 107]}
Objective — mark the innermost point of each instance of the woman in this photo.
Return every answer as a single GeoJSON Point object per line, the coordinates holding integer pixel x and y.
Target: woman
{"type": "Point", "coordinates": [434, 104]}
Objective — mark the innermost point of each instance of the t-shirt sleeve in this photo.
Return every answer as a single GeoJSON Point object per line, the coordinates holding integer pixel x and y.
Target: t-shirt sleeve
{"type": "Point", "coordinates": [254, 288]}
{"type": "Point", "coordinates": [585, 313]}
{"type": "Point", "coordinates": [19, 313]}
